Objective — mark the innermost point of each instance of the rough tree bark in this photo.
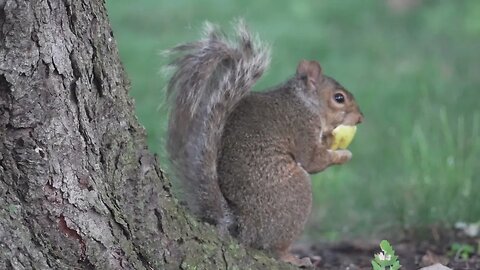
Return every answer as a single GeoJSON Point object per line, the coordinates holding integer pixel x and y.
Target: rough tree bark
{"type": "Point", "coordinates": [78, 188]}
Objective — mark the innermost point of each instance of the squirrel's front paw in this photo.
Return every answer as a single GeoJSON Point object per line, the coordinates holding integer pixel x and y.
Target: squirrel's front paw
{"type": "Point", "coordinates": [340, 156]}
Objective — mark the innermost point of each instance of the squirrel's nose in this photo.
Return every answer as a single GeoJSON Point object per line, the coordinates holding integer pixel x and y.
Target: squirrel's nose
{"type": "Point", "coordinates": [360, 118]}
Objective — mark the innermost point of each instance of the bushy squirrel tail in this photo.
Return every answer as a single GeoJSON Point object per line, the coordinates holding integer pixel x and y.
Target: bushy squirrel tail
{"type": "Point", "coordinates": [210, 77]}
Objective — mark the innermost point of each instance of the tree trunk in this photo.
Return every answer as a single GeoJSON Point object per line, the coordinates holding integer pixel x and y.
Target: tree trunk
{"type": "Point", "coordinates": [78, 188]}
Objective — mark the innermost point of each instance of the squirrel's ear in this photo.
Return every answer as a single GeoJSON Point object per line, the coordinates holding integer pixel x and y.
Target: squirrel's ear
{"type": "Point", "coordinates": [311, 71]}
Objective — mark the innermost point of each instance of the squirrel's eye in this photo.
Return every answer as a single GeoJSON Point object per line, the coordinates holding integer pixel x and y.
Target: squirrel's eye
{"type": "Point", "coordinates": [339, 98]}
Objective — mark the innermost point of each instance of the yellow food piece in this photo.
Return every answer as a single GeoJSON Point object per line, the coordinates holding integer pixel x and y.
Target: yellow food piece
{"type": "Point", "coordinates": [343, 136]}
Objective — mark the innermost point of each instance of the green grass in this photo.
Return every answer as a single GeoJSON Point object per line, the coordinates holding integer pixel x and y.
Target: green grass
{"type": "Point", "coordinates": [416, 76]}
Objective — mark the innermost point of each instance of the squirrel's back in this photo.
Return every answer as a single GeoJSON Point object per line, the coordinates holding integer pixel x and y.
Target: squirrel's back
{"type": "Point", "coordinates": [210, 77]}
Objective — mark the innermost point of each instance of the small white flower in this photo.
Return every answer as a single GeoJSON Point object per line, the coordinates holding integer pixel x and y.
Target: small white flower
{"type": "Point", "coordinates": [383, 257]}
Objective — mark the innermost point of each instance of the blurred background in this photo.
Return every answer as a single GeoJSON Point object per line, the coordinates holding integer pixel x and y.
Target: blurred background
{"type": "Point", "coordinates": [413, 66]}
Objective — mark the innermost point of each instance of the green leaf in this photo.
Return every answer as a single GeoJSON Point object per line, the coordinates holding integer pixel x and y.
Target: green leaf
{"type": "Point", "coordinates": [386, 247]}
{"type": "Point", "coordinates": [396, 265]}
{"type": "Point", "coordinates": [456, 246]}
{"type": "Point", "coordinates": [468, 248]}
{"type": "Point", "coordinates": [393, 259]}
{"type": "Point", "coordinates": [463, 250]}
{"type": "Point", "coordinates": [376, 266]}
{"type": "Point", "coordinates": [380, 262]}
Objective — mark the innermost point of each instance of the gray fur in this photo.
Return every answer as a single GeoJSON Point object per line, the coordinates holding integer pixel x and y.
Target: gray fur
{"type": "Point", "coordinates": [210, 77]}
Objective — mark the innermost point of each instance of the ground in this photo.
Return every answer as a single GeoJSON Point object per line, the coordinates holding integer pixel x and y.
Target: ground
{"type": "Point", "coordinates": [415, 250]}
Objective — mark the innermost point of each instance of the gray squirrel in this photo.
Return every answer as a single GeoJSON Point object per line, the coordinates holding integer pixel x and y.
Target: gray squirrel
{"type": "Point", "coordinates": [245, 158]}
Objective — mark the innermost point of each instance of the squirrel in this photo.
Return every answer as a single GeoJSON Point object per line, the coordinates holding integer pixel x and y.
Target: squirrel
{"type": "Point", "coordinates": [244, 158]}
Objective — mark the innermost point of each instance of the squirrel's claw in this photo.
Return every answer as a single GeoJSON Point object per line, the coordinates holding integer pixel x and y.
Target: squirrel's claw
{"type": "Point", "coordinates": [340, 156]}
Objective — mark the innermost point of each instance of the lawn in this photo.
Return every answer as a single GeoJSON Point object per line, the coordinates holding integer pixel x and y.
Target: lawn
{"type": "Point", "coordinates": [415, 74]}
